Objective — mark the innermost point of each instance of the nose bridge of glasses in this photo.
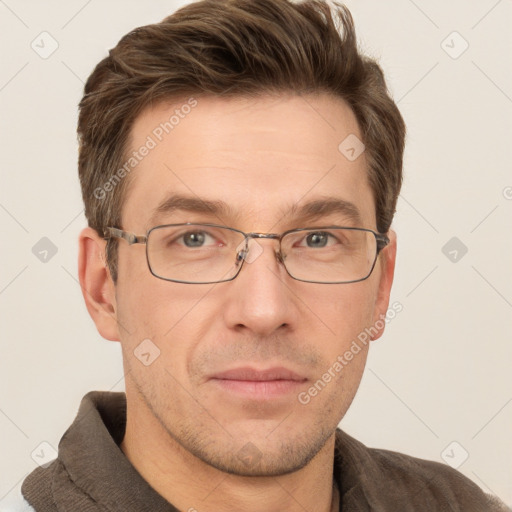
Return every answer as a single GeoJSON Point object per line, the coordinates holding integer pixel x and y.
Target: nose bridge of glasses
{"type": "Point", "coordinates": [249, 250]}
{"type": "Point", "coordinates": [273, 236]}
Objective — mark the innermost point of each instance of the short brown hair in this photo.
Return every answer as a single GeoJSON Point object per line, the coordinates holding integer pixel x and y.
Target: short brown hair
{"type": "Point", "coordinates": [233, 48]}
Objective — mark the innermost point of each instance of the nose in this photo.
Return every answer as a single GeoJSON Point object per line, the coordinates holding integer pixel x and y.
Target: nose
{"type": "Point", "coordinates": [261, 299]}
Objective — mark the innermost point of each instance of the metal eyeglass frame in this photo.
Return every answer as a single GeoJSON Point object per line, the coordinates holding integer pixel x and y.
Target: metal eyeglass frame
{"type": "Point", "coordinates": [381, 239]}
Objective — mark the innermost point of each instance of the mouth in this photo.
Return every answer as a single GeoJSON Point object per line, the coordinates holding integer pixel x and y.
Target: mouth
{"type": "Point", "coordinates": [256, 384]}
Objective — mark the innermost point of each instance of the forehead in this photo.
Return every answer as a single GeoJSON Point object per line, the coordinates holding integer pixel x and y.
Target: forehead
{"type": "Point", "coordinates": [255, 157]}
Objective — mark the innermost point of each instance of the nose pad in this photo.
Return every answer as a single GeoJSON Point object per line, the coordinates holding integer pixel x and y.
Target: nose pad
{"type": "Point", "coordinates": [248, 250]}
{"type": "Point", "coordinates": [242, 251]}
{"type": "Point", "coordinates": [280, 258]}
{"type": "Point", "coordinates": [240, 256]}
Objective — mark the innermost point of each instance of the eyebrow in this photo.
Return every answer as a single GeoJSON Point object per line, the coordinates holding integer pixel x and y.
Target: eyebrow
{"type": "Point", "coordinates": [309, 211]}
{"type": "Point", "coordinates": [173, 203]}
{"type": "Point", "coordinates": [324, 207]}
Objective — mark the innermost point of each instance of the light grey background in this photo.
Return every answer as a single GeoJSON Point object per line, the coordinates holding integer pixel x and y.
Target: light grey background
{"type": "Point", "coordinates": [441, 373]}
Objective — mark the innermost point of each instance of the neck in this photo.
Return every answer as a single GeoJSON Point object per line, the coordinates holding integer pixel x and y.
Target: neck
{"type": "Point", "coordinates": [191, 484]}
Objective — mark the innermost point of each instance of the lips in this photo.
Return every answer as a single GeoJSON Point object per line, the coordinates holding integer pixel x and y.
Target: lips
{"type": "Point", "coordinates": [251, 374]}
{"type": "Point", "coordinates": [260, 385]}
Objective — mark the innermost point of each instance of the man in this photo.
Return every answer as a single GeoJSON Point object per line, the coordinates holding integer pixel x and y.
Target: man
{"type": "Point", "coordinates": [240, 164]}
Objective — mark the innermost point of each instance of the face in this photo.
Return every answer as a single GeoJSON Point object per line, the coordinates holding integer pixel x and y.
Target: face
{"type": "Point", "coordinates": [233, 382]}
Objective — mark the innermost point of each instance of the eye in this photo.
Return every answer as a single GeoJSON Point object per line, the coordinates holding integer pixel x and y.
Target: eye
{"type": "Point", "coordinates": [317, 239]}
{"type": "Point", "coordinates": [196, 239]}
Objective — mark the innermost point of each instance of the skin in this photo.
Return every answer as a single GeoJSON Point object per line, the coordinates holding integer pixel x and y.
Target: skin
{"type": "Point", "coordinates": [185, 432]}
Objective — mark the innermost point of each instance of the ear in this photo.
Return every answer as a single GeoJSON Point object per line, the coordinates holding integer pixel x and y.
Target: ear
{"type": "Point", "coordinates": [387, 259]}
{"type": "Point", "coordinates": [97, 286]}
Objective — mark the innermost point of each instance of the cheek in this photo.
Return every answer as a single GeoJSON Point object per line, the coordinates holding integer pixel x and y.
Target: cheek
{"type": "Point", "coordinates": [173, 317]}
{"type": "Point", "coordinates": [151, 307]}
{"type": "Point", "coordinates": [346, 310]}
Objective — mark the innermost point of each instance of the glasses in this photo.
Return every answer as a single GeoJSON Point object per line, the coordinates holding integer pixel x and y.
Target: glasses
{"type": "Point", "coordinates": [209, 253]}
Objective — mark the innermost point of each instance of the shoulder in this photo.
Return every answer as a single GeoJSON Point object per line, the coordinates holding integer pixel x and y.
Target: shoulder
{"type": "Point", "coordinates": [439, 482]}
{"type": "Point", "coordinates": [15, 502]}
{"type": "Point", "coordinates": [384, 475]}
{"type": "Point", "coordinates": [431, 475]}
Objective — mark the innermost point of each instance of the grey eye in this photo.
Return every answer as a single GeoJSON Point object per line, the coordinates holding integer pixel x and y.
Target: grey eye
{"type": "Point", "coordinates": [317, 239]}
{"type": "Point", "coordinates": [194, 239]}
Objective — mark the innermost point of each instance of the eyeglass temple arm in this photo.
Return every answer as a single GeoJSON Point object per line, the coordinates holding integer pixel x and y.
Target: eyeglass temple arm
{"type": "Point", "coordinates": [129, 237]}
{"type": "Point", "coordinates": [382, 241]}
